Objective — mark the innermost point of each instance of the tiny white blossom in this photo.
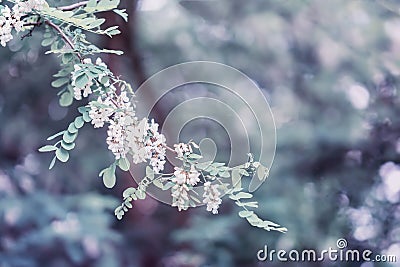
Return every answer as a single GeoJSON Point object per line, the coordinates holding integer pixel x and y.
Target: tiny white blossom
{"type": "Point", "coordinates": [179, 176]}
{"type": "Point", "coordinates": [182, 149]}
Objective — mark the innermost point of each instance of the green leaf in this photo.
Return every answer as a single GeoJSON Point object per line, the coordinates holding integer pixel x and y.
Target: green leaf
{"type": "Point", "coordinates": [233, 197]}
{"type": "Point", "coordinates": [123, 164]}
{"type": "Point", "coordinates": [158, 184]}
{"type": "Point", "coordinates": [203, 165]}
{"type": "Point", "coordinates": [83, 110]}
{"type": "Point", "coordinates": [244, 195]}
{"type": "Point", "coordinates": [47, 41]}
{"type": "Point", "coordinates": [105, 5]}
{"type": "Point", "coordinates": [194, 156]}
{"type": "Point", "coordinates": [67, 57]}
{"type": "Point", "coordinates": [110, 31]}
{"type": "Point", "coordinates": [66, 99]}
{"type": "Point", "coordinates": [245, 213]}
{"type": "Point", "coordinates": [62, 155]}
{"type": "Point", "coordinates": [119, 212]}
{"type": "Point", "coordinates": [128, 204]}
{"type": "Point", "coordinates": [53, 161]}
{"type": "Point", "coordinates": [69, 137]}
{"type": "Point", "coordinates": [55, 135]}
{"type": "Point", "coordinates": [122, 13]}
{"type": "Point", "coordinates": [81, 81]}
{"type": "Point", "coordinates": [62, 73]}
{"type": "Point", "coordinates": [67, 146]}
{"type": "Point", "coordinates": [91, 3]}
{"type": "Point", "coordinates": [109, 177]}
{"type": "Point", "coordinates": [96, 23]}
{"type": "Point", "coordinates": [86, 117]}
{"type": "Point", "coordinates": [224, 174]}
{"type": "Point", "coordinates": [47, 148]}
{"type": "Point", "coordinates": [109, 51]}
{"type": "Point", "coordinates": [104, 79]}
{"type": "Point", "coordinates": [262, 172]}
{"type": "Point", "coordinates": [214, 172]}
{"type": "Point", "coordinates": [79, 122]}
{"type": "Point", "coordinates": [140, 194]}
{"type": "Point", "coordinates": [236, 179]}
{"type": "Point", "coordinates": [149, 173]}
{"type": "Point", "coordinates": [128, 192]}
{"type": "Point", "coordinates": [243, 172]}
{"type": "Point", "coordinates": [168, 186]}
{"type": "Point", "coordinates": [102, 172]}
{"type": "Point", "coordinates": [252, 204]}
{"type": "Point", "coordinates": [60, 82]}
{"type": "Point", "coordinates": [72, 128]}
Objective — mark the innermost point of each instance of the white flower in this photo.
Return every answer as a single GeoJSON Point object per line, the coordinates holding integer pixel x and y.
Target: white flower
{"type": "Point", "coordinates": [116, 140]}
{"type": "Point", "coordinates": [27, 6]}
{"type": "Point", "coordinates": [193, 176]}
{"type": "Point", "coordinates": [183, 177]}
{"type": "Point", "coordinates": [146, 143]}
{"type": "Point", "coordinates": [180, 196]}
{"type": "Point", "coordinates": [100, 115]}
{"type": "Point", "coordinates": [86, 88]}
{"type": "Point", "coordinates": [179, 176]}
{"type": "Point", "coordinates": [182, 149]}
{"type": "Point", "coordinates": [87, 61]}
{"type": "Point", "coordinates": [212, 197]}
{"type": "Point", "coordinates": [157, 164]}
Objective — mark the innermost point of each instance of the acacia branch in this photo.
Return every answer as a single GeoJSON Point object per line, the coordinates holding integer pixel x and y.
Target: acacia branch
{"type": "Point", "coordinates": [73, 6]}
{"type": "Point", "coordinates": [64, 36]}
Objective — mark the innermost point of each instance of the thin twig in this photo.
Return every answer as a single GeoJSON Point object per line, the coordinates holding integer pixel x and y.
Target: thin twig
{"type": "Point", "coordinates": [73, 6]}
{"type": "Point", "coordinates": [170, 149]}
{"type": "Point", "coordinates": [64, 36]}
{"type": "Point", "coordinates": [34, 24]}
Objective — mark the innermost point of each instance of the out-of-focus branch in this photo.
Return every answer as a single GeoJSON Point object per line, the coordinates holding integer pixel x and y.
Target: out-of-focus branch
{"type": "Point", "coordinates": [64, 36]}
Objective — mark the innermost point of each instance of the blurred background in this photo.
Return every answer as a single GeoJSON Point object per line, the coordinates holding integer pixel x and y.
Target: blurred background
{"type": "Point", "coordinates": [330, 71]}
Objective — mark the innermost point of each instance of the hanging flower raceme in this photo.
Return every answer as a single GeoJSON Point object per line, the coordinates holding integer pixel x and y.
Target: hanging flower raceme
{"type": "Point", "coordinates": [212, 197]}
{"type": "Point", "coordinates": [146, 143]}
{"type": "Point", "coordinates": [180, 191]}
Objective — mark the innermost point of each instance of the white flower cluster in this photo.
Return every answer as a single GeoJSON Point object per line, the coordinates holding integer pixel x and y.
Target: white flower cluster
{"type": "Point", "coordinates": [100, 115]}
{"type": "Point", "coordinates": [182, 149]}
{"type": "Point", "coordinates": [146, 143]}
{"type": "Point", "coordinates": [180, 191]}
{"type": "Point", "coordinates": [125, 133]}
{"type": "Point", "coordinates": [183, 177]}
{"type": "Point", "coordinates": [86, 89]}
{"type": "Point", "coordinates": [212, 197]}
{"type": "Point", "coordinates": [123, 118]}
{"type": "Point", "coordinates": [11, 18]}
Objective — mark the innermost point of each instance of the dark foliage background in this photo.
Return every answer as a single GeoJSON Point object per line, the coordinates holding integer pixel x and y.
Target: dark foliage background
{"type": "Point", "coordinates": [330, 70]}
